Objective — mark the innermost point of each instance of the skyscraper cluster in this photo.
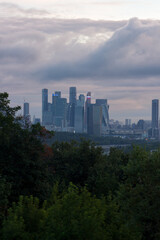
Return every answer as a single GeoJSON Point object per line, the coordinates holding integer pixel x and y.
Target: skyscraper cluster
{"type": "Point", "coordinates": [77, 115]}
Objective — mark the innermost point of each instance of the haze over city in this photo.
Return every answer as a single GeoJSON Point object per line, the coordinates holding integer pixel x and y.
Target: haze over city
{"type": "Point", "coordinates": [110, 48]}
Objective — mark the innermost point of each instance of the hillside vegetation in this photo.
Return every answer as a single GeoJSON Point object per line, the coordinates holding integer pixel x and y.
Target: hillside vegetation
{"type": "Point", "coordinates": [71, 190]}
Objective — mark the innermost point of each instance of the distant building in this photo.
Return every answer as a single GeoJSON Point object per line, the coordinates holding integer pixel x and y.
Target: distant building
{"type": "Point", "coordinates": [72, 95]}
{"type": "Point", "coordinates": [155, 118]}
{"type": "Point", "coordinates": [26, 121]}
{"type": "Point", "coordinates": [26, 109]}
{"type": "Point", "coordinates": [141, 124]}
{"type": "Point", "coordinates": [79, 114]}
{"type": "Point", "coordinates": [94, 120]}
{"type": "Point", "coordinates": [59, 111]}
{"type": "Point", "coordinates": [44, 105]}
{"type": "Point", "coordinates": [58, 94]}
{"type": "Point", "coordinates": [48, 118]}
{"type": "Point", "coordinates": [155, 113]}
{"type": "Point", "coordinates": [128, 122]}
{"type": "Point", "coordinates": [87, 104]}
{"type": "Point", "coordinates": [105, 113]}
{"type": "Point", "coordinates": [72, 105]}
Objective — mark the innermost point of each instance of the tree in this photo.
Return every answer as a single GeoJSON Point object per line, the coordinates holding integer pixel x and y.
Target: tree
{"type": "Point", "coordinates": [106, 175]}
{"type": "Point", "coordinates": [21, 157]}
{"type": "Point", "coordinates": [139, 195]}
{"type": "Point", "coordinates": [4, 193]}
{"type": "Point", "coordinates": [72, 162]}
{"type": "Point", "coordinates": [25, 220]}
{"type": "Point", "coordinates": [76, 215]}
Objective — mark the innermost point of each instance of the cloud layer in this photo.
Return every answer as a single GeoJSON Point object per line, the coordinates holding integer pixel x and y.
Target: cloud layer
{"type": "Point", "coordinates": [94, 55]}
{"type": "Point", "coordinates": [133, 52]}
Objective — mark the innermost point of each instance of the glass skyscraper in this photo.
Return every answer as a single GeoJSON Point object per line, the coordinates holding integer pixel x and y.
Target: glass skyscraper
{"type": "Point", "coordinates": [26, 109]}
{"type": "Point", "coordinates": [44, 104]}
{"type": "Point", "coordinates": [72, 104]}
{"type": "Point", "coordinates": [155, 118]}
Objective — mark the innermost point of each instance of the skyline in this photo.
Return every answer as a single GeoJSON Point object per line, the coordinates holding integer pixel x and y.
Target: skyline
{"type": "Point", "coordinates": [118, 60]}
{"type": "Point", "coordinates": [86, 95]}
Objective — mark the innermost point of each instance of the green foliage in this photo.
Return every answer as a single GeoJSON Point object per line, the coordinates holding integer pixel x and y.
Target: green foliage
{"type": "Point", "coordinates": [114, 197]}
{"type": "Point", "coordinates": [25, 220]}
{"type": "Point", "coordinates": [77, 215]}
{"type": "Point", "coordinates": [4, 193]}
{"type": "Point", "coordinates": [21, 155]}
{"type": "Point", "coordinates": [106, 175]}
{"type": "Point", "coordinates": [139, 195]}
{"type": "Point", "coordinates": [72, 161]}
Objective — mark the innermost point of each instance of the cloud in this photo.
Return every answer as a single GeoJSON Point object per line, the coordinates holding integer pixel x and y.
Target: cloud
{"type": "Point", "coordinates": [30, 44]}
{"type": "Point", "coordinates": [133, 52]}
{"type": "Point", "coordinates": [113, 3]}
{"type": "Point", "coordinates": [111, 58]}
{"type": "Point", "coordinates": [14, 10]}
{"type": "Point", "coordinates": [56, 49]}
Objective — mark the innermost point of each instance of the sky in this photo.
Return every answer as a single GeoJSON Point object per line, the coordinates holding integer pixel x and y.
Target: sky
{"type": "Point", "coordinates": [108, 47]}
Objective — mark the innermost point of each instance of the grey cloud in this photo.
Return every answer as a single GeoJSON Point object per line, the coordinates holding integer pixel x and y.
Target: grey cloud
{"type": "Point", "coordinates": [13, 10]}
{"type": "Point", "coordinates": [29, 44]}
{"type": "Point", "coordinates": [113, 52]}
{"type": "Point", "coordinates": [117, 3]}
{"type": "Point", "coordinates": [101, 56]}
{"type": "Point", "coordinates": [133, 52]}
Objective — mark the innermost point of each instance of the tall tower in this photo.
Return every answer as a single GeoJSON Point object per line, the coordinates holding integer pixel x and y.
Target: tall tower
{"type": "Point", "coordinates": [44, 104]}
{"type": "Point", "coordinates": [25, 109]}
{"type": "Point", "coordinates": [155, 118]}
{"type": "Point", "coordinates": [105, 113]}
{"type": "Point", "coordinates": [86, 113]}
{"type": "Point", "coordinates": [72, 95]}
{"type": "Point", "coordinates": [79, 114]}
{"type": "Point", "coordinates": [27, 117]}
{"type": "Point", "coordinates": [72, 104]}
{"type": "Point", "coordinates": [58, 94]}
{"type": "Point", "coordinates": [94, 121]}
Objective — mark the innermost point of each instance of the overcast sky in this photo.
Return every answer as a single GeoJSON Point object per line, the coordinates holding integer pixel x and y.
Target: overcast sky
{"type": "Point", "coordinates": [108, 47]}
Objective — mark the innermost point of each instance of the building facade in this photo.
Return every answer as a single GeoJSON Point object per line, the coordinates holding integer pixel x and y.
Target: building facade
{"type": "Point", "coordinates": [94, 121]}
{"type": "Point", "coordinates": [26, 109]}
{"type": "Point", "coordinates": [44, 105]}
{"type": "Point", "coordinates": [105, 114]}
{"type": "Point", "coordinates": [155, 118]}
{"type": "Point", "coordinates": [72, 105]}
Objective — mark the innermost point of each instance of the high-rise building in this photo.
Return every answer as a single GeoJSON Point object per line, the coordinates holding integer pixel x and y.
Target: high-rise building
{"type": "Point", "coordinates": [79, 114]}
{"type": "Point", "coordinates": [87, 104]}
{"type": "Point", "coordinates": [26, 116]}
{"type": "Point", "coordinates": [72, 95]}
{"type": "Point", "coordinates": [155, 118]}
{"type": "Point", "coordinates": [81, 100]}
{"type": "Point", "coordinates": [128, 122]}
{"type": "Point", "coordinates": [25, 109]}
{"type": "Point", "coordinates": [48, 118]}
{"type": "Point", "coordinates": [72, 104]}
{"type": "Point", "coordinates": [59, 110]}
{"type": "Point", "coordinates": [105, 113]}
{"type": "Point", "coordinates": [94, 121]}
{"type": "Point", "coordinates": [155, 113]}
{"type": "Point", "coordinates": [58, 94]}
{"type": "Point", "coordinates": [44, 105]}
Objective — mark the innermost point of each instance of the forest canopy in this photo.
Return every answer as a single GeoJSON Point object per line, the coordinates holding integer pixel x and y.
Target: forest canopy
{"type": "Point", "coordinates": [72, 190]}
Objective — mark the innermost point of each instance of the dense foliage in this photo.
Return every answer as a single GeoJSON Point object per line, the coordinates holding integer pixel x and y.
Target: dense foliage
{"type": "Point", "coordinates": [73, 190]}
